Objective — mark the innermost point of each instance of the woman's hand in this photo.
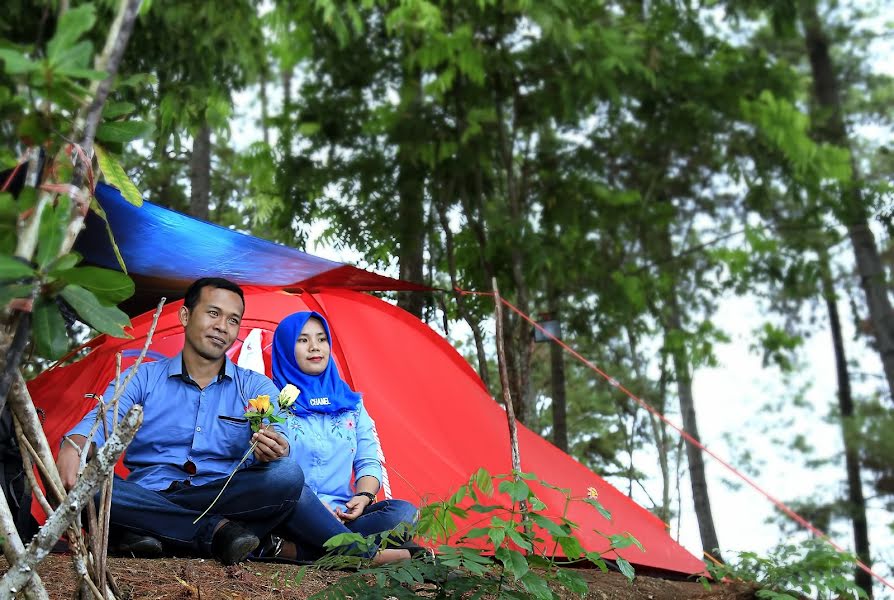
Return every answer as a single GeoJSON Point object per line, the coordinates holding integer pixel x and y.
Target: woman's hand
{"type": "Point", "coordinates": [270, 445]}
{"type": "Point", "coordinates": [355, 507]}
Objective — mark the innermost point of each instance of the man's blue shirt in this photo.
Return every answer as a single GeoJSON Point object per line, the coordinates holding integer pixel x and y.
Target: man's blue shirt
{"type": "Point", "coordinates": [184, 425]}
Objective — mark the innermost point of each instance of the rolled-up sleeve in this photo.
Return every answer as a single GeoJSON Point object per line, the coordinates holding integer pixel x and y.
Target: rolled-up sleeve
{"type": "Point", "coordinates": [366, 460]}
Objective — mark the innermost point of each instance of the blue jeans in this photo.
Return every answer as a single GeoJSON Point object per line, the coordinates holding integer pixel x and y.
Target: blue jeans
{"type": "Point", "coordinates": [261, 498]}
{"type": "Point", "coordinates": [317, 524]}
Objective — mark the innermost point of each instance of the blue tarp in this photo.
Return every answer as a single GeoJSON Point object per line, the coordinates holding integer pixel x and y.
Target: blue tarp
{"type": "Point", "coordinates": [165, 250]}
{"type": "Point", "coordinates": [159, 242]}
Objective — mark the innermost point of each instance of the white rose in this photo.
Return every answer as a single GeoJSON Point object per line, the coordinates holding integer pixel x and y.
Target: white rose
{"type": "Point", "coordinates": [288, 395]}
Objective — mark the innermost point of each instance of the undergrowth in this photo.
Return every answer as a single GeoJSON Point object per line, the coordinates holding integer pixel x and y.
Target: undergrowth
{"type": "Point", "coordinates": [511, 555]}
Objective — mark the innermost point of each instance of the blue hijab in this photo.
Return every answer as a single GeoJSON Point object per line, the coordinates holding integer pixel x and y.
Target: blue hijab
{"type": "Point", "coordinates": [327, 384]}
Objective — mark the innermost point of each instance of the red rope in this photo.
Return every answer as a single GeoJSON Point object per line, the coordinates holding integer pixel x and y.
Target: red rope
{"type": "Point", "coordinates": [615, 383]}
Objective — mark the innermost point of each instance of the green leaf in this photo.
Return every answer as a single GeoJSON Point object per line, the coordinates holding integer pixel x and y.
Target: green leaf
{"type": "Point", "coordinates": [537, 504]}
{"type": "Point", "coordinates": [496, 535]}
{"type": "Point", "coordinates": [484, 482]}
{"type": "Point", "coordinates": [66, 261]}
{"type": "Point", "coordinates": [626, 568]}
{"type": "Point", "coordinates": [477, 532]}
{"type": "Point", "coordinates": [107, 319]}
{"type": "Point", "coordinates": [16, 63]}
{"type": "Point", "coordinates": [473, 555]}
{"type": "Point", "coordinates": [598, 506]}
{"type": "Point", "coordinates": [308, 129]}
{"type": "Point", "coordinates": [76, 58]}
{"type": "Point", "coordinates": [519, 539]}
{"type": "Point", "coordinates": [53, 223]}
{"type": "Point", "coordinates": [513, 561]}
{"type": "Point", "coordinates": [596, 559]}
{"type": "Point", "coordinates": [80, 73]}
{"type": "Point", "coordinates": [13, 268]}
{"type": "Point", "coordinates": [570, 546]}
{"type": "Point", "coordinates": [17, 290]}
{"type": "Point", "coordinates": [479, 508]}
{"type": "Point", "coordinates": [345, 539]}
{"type": "Point", "coordinates": [299, 576]}
{"type": "Point", "coordinates": [517, 490]}
{"type": "Point", "coordinates": [116, 176]}
{"type": "Point", "coordinates": [111, 287]}
{"type": "Point", "coordinates": [401, 576]}
{"type": "Point", "coordinates": [623, 540]}
{"type": "Point", "coordinates": [572, 581]}
{"type": "Point", "coordinates": [113, 110]}
{"type": "Point", "coordinates": [71, 26]}
{"type": "Point", "coordinates": [123, 131]}
{"type": "Point", "coordinates": [50, 336]}
{"type": "Point", "coordinates": [458, 496]}
{"type": "Point", "coordinates": [27, 199]}
{"type": "Point", "coordinates": [548, 524]}
{"type": "Point", "coordinates": [97, 208]}
{"type": "Point", "coordinates": [536, 585]}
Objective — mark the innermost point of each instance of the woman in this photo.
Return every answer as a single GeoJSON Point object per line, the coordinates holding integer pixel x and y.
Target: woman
{"type": "Point", "coordinates": [331, 437]}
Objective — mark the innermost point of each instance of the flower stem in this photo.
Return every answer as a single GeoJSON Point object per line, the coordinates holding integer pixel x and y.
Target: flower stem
{"type": "Point", "coordinates": [227, 482]}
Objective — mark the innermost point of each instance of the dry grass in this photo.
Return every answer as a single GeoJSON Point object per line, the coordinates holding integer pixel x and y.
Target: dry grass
{"type": "Point", "coordinates": [143, 579]}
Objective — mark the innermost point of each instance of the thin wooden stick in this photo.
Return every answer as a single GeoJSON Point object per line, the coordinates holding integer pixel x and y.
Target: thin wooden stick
{"type": "Point", "coordinates": [28, 467]}
{"type": "Point", "coordinates": [74, 532]}
{"type": "Point", "coordinates": [119, 389]}
{"type": "Point", "coordinates": [507, 396]}
{"type": "Point", "coordinates": [105, 509]}
{"type": "Point", "coordinates": [14, 550]}
{"type": "Point", "coordinates": [17, 577]}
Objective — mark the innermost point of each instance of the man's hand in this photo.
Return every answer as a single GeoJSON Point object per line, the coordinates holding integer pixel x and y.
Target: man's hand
{"type": "Point", "coordinates": [270, 445]}
{"type": "Point", "coordinates": [355, 507]}
{"type": "Point", "coordinates": [68, 462]}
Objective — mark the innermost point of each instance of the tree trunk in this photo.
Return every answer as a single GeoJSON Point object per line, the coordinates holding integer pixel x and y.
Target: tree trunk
{"type": "Point", "coordinates": [694, 455]}
{"type": "Point", "coordinates": [856, 502]}
{"type": "Point", "coordinates": [674, 322]}
{"type": "Point", "coordinates": [265, 108]}
{"type": "Point", "coordinates": [440, 200]}
{"type": "Point", "coordinates": [200, 173]}
{"type": "Point", "coordinates": [830, 127]}
{"type": "Point", "coordinates": [557, 381]}
{"type": "Point", "coordinates": [410, 230]}
{"type": "Point", "coordinates": [286, 128]}
{"type": "Point", "coordinates": [519, 348]}
{"type": "Point", "coordinates": [411, 192]}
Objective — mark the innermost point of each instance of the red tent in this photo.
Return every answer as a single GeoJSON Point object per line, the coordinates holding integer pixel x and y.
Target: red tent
{"type": "Point", "coordinates": [436, 421]}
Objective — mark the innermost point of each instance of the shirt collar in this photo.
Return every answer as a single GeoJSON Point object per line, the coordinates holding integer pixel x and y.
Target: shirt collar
{"type": "Point", "coordinates": [177, 368]}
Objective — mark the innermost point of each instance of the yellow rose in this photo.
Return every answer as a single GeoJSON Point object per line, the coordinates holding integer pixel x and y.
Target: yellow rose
{"type": "Point", "coordinates": [261, 404]}
{"type": "Point", "coordinates": [288, 395]}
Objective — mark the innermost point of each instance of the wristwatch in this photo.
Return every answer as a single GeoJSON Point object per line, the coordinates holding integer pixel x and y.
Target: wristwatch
{"type": "Point", "coordinates": [372, 497]}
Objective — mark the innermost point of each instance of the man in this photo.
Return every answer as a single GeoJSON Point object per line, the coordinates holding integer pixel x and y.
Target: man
{"type": "Point", "coordinates": [193, 435]}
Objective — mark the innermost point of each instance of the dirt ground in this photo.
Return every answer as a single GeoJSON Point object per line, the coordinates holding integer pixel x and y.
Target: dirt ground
{"type": "Point", "coordinates": [143, 579]}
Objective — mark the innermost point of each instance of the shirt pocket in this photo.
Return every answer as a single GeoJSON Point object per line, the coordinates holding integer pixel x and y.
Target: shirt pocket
{"type": "Point", "coordinates": [234, 434]}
